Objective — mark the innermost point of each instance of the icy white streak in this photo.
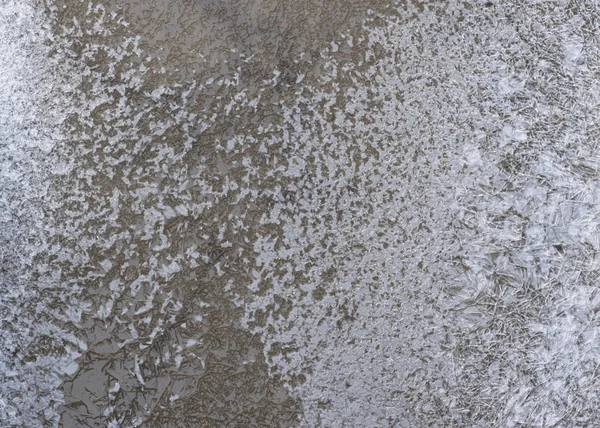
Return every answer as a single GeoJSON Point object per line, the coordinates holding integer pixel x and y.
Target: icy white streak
{"type": "Point", "coordinates": [31, 107]}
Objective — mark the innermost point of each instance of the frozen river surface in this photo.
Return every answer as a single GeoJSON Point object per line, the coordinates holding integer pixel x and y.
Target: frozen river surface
{"type": "Point", "coordinates": [282, 213]}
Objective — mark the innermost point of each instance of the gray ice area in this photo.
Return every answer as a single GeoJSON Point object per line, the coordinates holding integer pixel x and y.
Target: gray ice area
{"type": "Point", "coordinates": [299, 213]}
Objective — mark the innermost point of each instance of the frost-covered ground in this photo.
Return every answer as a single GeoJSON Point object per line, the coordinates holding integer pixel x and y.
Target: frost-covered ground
{"type": "Point", "coordinates": [229, 221]}
{"type": "Point", "coordinates": [440, 228]}
{"type": "Point", "coordinates": [35, 351]}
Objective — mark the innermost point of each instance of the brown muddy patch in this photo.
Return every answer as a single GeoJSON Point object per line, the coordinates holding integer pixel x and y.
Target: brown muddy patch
{"type": "Point", "coordinates": [161, 207]}
{"type": "Point", "coordinates": [189, 37]}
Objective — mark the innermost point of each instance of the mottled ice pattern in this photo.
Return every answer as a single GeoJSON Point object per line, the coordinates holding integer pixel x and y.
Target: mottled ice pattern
{"type": "Point", "coordinates": [34, 350]}
{"type": "Point", "coordinates": [440, 231]}
{"type": "Point", "coordinates": [400, 229]}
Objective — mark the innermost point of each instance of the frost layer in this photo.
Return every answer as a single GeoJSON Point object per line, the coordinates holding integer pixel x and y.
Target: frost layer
{"type": "Point", "coordinates": [438, 257]}
{"type": "Point", "coordinates": [34, 350]}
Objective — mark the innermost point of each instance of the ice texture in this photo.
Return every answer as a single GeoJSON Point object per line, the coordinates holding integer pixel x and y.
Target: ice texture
{"type": "Point", "coordinates": [35, 350]}
{"type": "Point", "coordinates": [402, 227]}
{"type": "Point", "coordinates": [440, 237]}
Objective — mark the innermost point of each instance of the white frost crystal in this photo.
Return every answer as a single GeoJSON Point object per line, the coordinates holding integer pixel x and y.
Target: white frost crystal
{"type": "Point", "coordinates": [34, 353]}
{"type": "Point", "coordinates": [448, 226]}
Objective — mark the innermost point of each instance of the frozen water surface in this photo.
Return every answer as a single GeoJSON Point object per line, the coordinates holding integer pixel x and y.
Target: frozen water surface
{"type": "Point", "coordinates": [299, 214]}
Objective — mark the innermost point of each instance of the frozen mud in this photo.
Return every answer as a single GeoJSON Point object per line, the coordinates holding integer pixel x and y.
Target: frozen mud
{"type": "Point", "coordinates": [310, 214]}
